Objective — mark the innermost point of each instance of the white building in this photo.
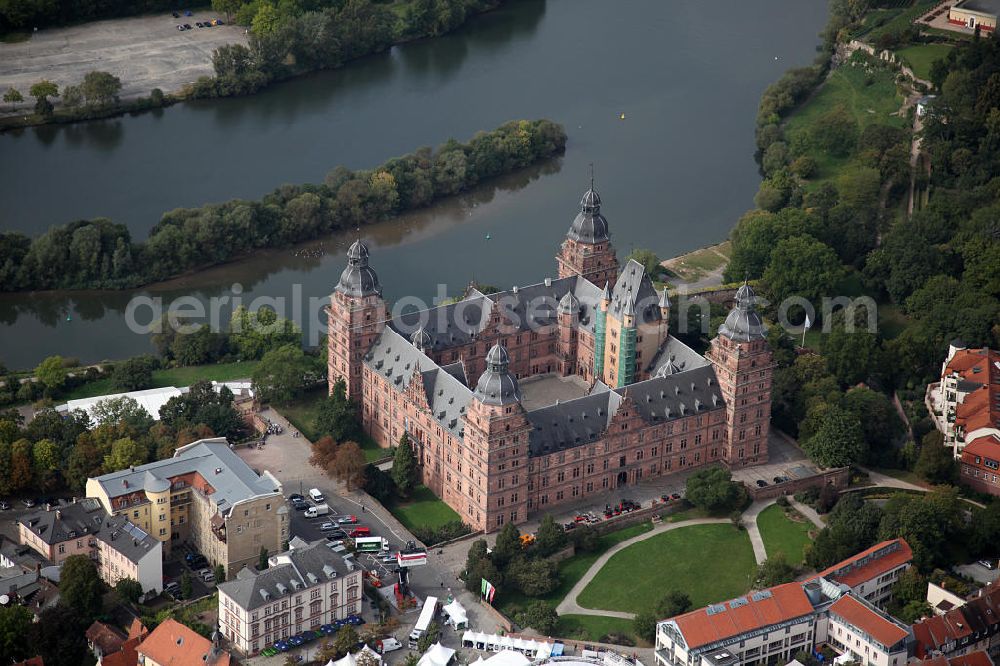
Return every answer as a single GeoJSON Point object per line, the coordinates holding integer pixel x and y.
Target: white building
{"type": "Point", "coordinates": [304, 588]}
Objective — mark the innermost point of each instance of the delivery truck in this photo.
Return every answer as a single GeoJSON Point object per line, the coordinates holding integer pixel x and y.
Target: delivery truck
{"type": "Point", "coordinates": [316, 511]}
{"type": "Point", "coordinates": [427, 614]}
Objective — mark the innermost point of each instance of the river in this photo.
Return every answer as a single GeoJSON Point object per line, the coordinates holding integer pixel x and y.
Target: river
{"type": "Point", "coordinates": [676, 173]}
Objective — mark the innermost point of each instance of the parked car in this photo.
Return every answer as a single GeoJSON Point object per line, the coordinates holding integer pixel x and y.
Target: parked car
{"type": "Point", "coordinates": [388, 559]}
{"type": "Point", "coordinates": [326, 527]}
{"type": "Point", "coordinates": [337, 534]}
{"type": "Point", "coordinates": [347, 520]}
{"type": "Point", "coordinates": [388, 645]}
{"type": "Point", "coordinates": [175, 14]}
{"type": "Point", "coordinates": [4, 505]}
{"type": "Point", "coordinates": [988, 564]}
{"type": "Point", "coordinates": [173, 588]}
{"type": "Point", "coordinates": [180, 27]}
{"type": "Point", "coordinates": [187, 26]}
{"type": "Point", "coordinates": [282, 646]}
{"type": "Point", "coordinates": [761, 483]}
{"type": "Point", "coordinates": [28, 502]}
{"type": "Point", "coordinates": [295, 497]}
{"type": "Point", "coordinates": [360, 532]}
{"type": "Point", "coordinates": [355, 620]}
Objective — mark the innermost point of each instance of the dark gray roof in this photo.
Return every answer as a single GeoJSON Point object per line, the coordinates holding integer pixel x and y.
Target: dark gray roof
{"type": "Point", "coordinates": [743, 324]}
{"type": "Point", "coordinates": [693, 390]}
{"type": "Point", "coordinates": [497, 386]}
{"type": "Point", "coordinates": [17, 580]}
{"type": "Point", "coordinates": [634, 294]}
{"type": "Point", "coordinates": [230, 476]}
{"type": "Point", "coordinates": [984, 6]}
{"type": "Point", "coordinates": [675, 356]}
{"type": "Point", "coordinates": [86, 518]}
{"type": "Point", "coordinates": [445, 326]}
{"type": "Point", "coordinates": [589, 226]}
{"type": "Point", "coordinates": [536, 305]}
{"type": "Point", "coordinates": [301, 567]}
{"type": "Point", "coordinates": [396, 359]}
{"type": "Point", "coordinates": [358, 279]}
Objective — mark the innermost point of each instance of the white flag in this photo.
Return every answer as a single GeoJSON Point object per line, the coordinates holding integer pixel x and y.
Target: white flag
{"type": "Point", "coordinates": [808, 324]}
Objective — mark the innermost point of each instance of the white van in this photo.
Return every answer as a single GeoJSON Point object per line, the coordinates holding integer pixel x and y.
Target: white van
{"type": "Point", "coordinates": [316, 495]}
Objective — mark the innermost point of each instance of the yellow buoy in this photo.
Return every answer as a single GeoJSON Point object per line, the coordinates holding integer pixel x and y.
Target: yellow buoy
{"type": "Point", "coordinates": [623, 116]}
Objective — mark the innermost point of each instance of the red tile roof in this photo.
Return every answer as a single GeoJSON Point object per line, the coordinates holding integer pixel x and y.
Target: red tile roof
{"type": "Point", "coordinates": [721, 621]}
{"type": "Point", "coordinates": [173, 644]}
{"type": "Point", "coordinates": [981, 407]}
{"type": "Point", "coordinates": [31, 661]}
{"type": "Point", "coordinates": [105, 638]}
{"type": "Point", "coordinates": [977, 616]}
{"type": "Point", "coordinates": [987, 446]}
{"type": "Point", "coordinates": [977, 658]}
{"type": "Point", "coordinates": [870, 564]}
{"type": "Point", "coordinates": [869, 621]}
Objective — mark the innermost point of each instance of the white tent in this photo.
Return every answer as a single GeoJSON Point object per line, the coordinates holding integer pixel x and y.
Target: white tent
{"type": "Point", "coordinates": [507, 658]}
{"type": "Point", "coordinates": [475, 639]}
{"type": "Point", "coordinates": [437, 655]}
{"type": "Point", "coordinates": [457, 614]}
{"type": "Point", "coordinates": [352, 659]}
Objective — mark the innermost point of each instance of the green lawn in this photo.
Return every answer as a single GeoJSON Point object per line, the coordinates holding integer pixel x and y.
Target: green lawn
{"type": "Point", "coordinates": [868, 99]}
{"type": "Point", "coordinates": [185, 376]}
{"type": "Point", "coordinates": [423, 509]}
{"type": "Point", "coordinates": [920, 57]}
{"type": "Point", "coordinates": [895, 20]}
{"type": "Point", "coordinates": [784, 535]}
{"type": "Point", "coordinates": [571, 570]}
{"type": "Point", "coordinates": [636, 578]}
{"type": "Point", "coordinates": [592, 627]}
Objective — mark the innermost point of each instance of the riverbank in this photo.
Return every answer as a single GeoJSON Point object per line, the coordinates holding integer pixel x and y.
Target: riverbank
{"type": "Point", "coordinates": [160, 64]}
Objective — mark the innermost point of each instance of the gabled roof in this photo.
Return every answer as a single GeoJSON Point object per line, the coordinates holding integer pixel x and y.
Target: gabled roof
{"type": "Point", "coordinates": [742, 615]}
{"type": "Point", "coordinates": [871, 563]}
{"type": "Point", "coordinates": [173, 644]}
{"type": "Point", "coordinates": [66, 522]}
{"type": "Point", "coordinates": [633, 294]}
{"type": "Point", "coordinates": [105, 638]}
{"type": "Point", "coordinates": [978, 616]}
{"type": "Point", "coordinates": [868, 620]}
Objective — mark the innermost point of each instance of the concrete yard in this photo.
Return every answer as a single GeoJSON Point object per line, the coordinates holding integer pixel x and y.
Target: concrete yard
{"type": "Point", "coordinates": [145, 52]}
{"type": "Point", "coordinates": [545, 390]}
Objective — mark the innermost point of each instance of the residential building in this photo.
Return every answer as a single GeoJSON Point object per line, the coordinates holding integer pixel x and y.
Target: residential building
{"type": "Point", "coordinates": [941, 600]}
{"type": "Point", "coordinates": [103, 639]}
{"type": "Point", "coordinates": [870, 574]}
{"type": "Point", "coordinates": [450, 377]}
{"type": "Point", "coordinates": [979, 464]}
{"type": "Point", "coordinates": [119, 548]}
{"type": "Point", "coordinates": [965, 403]}
{"type": "Point", "coordinates": [972, 14]}
{"type": "Point", "coordinates": [969, 628]}
{"type": "Point", "coordinates": [303, 588]}
{"type": "Point", "coordinates": [205, 495]}
{"type": "Point", "coordinates": [173, 644]}
{"type": "Point", "coordinates": [126, 655]}
{"type": "Point", "coordinates": [772, 625]}
{"type": "Point", "coordinates": [977, 658]}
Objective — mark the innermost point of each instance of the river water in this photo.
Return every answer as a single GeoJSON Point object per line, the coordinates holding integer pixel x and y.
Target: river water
{"type": "Point", "coordinates": [674, 174]}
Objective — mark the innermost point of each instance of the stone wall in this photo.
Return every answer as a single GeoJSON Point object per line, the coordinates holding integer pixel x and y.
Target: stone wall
{"type": "Point", "coordinates": [840, 478]}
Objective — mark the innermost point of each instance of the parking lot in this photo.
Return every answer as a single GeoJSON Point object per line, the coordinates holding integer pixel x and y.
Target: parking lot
{"type": "Point", "coordinates": [144, 52]}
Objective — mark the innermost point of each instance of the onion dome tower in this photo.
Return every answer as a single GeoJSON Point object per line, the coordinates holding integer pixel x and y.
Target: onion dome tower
{"type": "Point", "coordinates": [587, 250]}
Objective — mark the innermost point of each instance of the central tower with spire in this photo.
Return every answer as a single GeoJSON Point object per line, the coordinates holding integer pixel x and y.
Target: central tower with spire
{"type": "Point", "coordinates": [587, 250]}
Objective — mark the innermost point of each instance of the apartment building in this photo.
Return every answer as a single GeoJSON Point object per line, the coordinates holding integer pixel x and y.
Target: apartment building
{"type": "Point", "coordinates": [173, 644]}
{"type": "Point", "coordinates": [205, 495]}
{"type": "Point", "coordinates": [870, 574]}
{"type": "Point", "coordinates": [119, 548]}
{"type": "Point", "coordinates": [303, 588]}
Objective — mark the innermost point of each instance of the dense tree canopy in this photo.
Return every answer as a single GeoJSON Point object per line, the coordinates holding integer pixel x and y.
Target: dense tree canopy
{"type": "Point", "coordinates": [714, 490]}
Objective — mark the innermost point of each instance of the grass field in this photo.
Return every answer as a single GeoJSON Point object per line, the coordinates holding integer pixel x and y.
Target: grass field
{"type": "Point", "coordinates": [783, 535]}
{"type": "Point", "coordinates": [634, 579]}
{"type": "Point", "coordinates": [868, 99]}
{"type": "Point", "coordinates": [593, 627]}
{"type": "Point", "coordinates": [695, 265]}
{"type": "Point", "coordinates": [894, 20]}
{"type": "Point", "coordinates": [423, 509]}
{"type": "Point", "coordinates": [185, 376]}
{"type": "Point", "coordinates": [920, 57]}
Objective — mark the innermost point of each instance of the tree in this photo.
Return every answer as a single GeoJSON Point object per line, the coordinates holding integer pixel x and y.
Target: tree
{"type": "Point", "coordinates": [540, 616]}
{"type": "Point", "coordinates": [228, 7]}
{"type": "Point", "coordinates": [348, 465]}
{"type": "Point", "coordinates": [879, 420]}
{"type": "Point", "coordinates": [714, 490]}
{"type": "Point", "coordinates": [344, 640]}
{"type": "Point", "coordinates": [754, 238]}
{"type": "Point", "coordinates": [673, 603]}
{"type": "Point", "coordinates": [13, 97]}
{"type": "Point", "coordinates": [15, 624]}
{"type": "Point", "coordinates": [775, 570]}
{"type": "Point", "coordinates": [535, 577]}
{"type": "Point", "coordinates": [507, 546]}
{"type": "Point", "coordinates": [550, 537]}
{"type": "Point", "coordinates": [852, 356]}
{"type": "Point", "coordinates": [135, 374]}
{"type": "Point", "coordinates": [52, 373]}
{"type": "Point", "coordinates": [935, 463]}
{"type": "Point", "coordinates": [838, 442]}
{"type": "Point", "coordinates": [262, 562]}
{"type": "Point", "coordinates": [404, 466]}
{"type": "Point", "coordinates": [41, 91]}
{"type": "Point", "coordinates": [324, 450]}
{"type": "Point", "coordinates": [337, 418]}
{"type": "Point", "coordinates": [836, 132]}
{"type": "Point", "coordinates": [80, 587]}
{"type": "Point", "coordinates": [650, 262]}
{"type": "Point", "coordinates": [129, 590]}
{"type": "Point", "coordinates": [124, 453]}
{"type": "Point", "coordinates": [58, 636]}
{"type": "Point", "coordinates": [100, 88]}
{"type": "Point", "coordinates": [644, 625]}
{"type": "Point", "coordinates": [186, 587]}
{"type": "Point", "coordinates": [284, 373]}
{"type": "Point", "coordinates": [429, 637]}
{"type": "Point", "coordinates": [379, 484]}
{"type": "Point", "coordinates": [266, 20]}
{"type": "Point", "coordinates": [802, 266]}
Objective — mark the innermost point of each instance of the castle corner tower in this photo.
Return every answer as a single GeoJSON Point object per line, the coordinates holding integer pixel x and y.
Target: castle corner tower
{"type": "Point", "coordinates": [355, 319]}
{"type": "Point", "coordinates": [744, 367]}
{"type": "Point", "coordinates": [587, 250]}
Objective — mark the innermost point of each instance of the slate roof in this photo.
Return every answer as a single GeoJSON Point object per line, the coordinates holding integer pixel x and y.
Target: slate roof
{"type": "Point", "coordinates": [15, 579]}
{"type": "Point", "coordinates": [589, 226]}
{"type": "Point", "coordinates": [991, 7]}
{"type": "Point", "coordinates": [633, 294]}
{"type": "Point", "coordinates": [235, 481]}
{"type": "Point", "coordinates": [572, 423]}
{"type": "Point", "coordinates": [668, 398]}
{"type": "Point", "coordinates": [85, 518]}
{"type": "Point", "coordinates": [358, 278]}
{"type": "Point", "coordinates": [126, 538]}
{"type": "Point", "coordinates": [743, 323]}
{"type": "Point", "coordinates": [301, 567]}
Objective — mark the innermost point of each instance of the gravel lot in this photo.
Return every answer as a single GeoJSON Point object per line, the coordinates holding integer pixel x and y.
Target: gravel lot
{"type": "Point", "coordinates": [145, 52]}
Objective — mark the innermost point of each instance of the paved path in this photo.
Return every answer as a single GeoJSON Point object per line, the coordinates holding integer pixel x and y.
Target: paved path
{"type": "Point", "coordinates": [807, 511]}
{"type": "Point", "coordinates": [750, 523]}
{"type": "Point", "coordinates": [569, 605]}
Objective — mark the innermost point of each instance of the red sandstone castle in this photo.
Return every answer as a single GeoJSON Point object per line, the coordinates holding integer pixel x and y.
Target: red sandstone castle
{"type": "Point", "coordinates": [457, 378]}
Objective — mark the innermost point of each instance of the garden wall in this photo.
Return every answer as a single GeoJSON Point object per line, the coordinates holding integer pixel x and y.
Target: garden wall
{"type": "Point", "coordinates": [839, 478]}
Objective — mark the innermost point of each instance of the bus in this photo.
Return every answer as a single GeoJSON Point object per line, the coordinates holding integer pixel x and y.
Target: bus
{"type": "Point", "coordinates": [427, 614]}
{"type": "Point", "coordinates": [371, 544]}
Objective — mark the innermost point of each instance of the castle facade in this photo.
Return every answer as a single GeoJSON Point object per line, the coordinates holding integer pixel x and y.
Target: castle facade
{"type": "Point", "coordinates": [451, 378]}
